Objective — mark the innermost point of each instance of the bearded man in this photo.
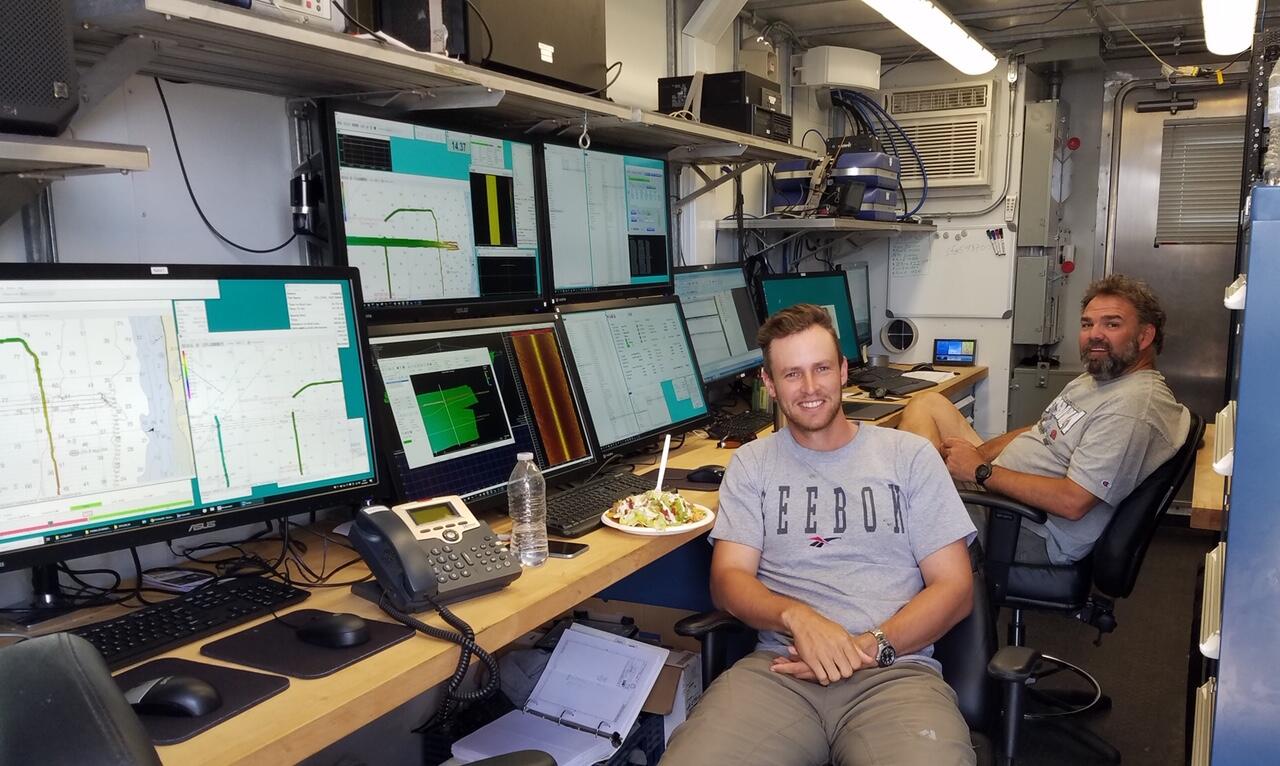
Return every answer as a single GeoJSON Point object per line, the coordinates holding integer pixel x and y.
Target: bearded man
{"type": "Point", "coordinates": [1100, 438]}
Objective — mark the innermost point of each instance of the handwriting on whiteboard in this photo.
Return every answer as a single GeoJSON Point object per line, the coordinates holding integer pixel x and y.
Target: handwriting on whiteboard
{"type": "Point", "coordinates": [909, 255]}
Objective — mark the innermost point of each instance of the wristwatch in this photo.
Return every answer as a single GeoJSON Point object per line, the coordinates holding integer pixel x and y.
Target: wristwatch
{"type": "Point", "coordinates": [885, 655]}
{"type": "Point", "coordinates": [981, 474]}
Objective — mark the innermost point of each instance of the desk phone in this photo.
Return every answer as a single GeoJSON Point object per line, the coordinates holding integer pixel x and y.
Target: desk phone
{"type": "Point", "coordinates": [435, 548]}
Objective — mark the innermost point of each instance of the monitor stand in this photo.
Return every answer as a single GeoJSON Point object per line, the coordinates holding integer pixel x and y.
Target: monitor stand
{"type": "Point", "coordinates": [47, 599]}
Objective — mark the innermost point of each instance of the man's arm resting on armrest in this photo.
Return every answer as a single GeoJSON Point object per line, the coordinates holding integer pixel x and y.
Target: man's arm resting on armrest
{"type": "Point", "coordinates": [1058, 497]}
{"type": "Point", "coordinates": [827, 647]}
{"type": "Point", "coordinates": [991, 448]}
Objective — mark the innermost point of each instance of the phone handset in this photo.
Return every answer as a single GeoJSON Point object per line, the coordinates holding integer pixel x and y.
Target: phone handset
{"type": "Point", "coordinates": [394, 556]}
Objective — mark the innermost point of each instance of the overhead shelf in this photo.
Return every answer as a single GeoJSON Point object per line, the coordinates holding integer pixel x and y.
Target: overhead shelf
{"type": "Point", "coordinates": [33, 155]}
{"type": "Point", "coordinates": [833, 225]}
{"type": "Point", "coordinates": [217, 44]}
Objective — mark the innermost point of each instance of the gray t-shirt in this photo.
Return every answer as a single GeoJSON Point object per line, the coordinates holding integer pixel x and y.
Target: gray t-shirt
{"type": "Point", "coordinates": [843, 531]}
{"type": "Point", "coordinates": [1106, 436]}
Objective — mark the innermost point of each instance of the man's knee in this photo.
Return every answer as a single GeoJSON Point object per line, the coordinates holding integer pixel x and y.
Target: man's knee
{"type": "Point", "coordinates": [929, 401]}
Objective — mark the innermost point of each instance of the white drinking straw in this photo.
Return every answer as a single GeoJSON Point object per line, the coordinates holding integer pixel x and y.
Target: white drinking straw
{"type": "Point", "coordinates": [662, 466]}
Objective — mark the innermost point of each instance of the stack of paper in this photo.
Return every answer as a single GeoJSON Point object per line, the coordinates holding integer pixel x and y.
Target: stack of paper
{"type": "Point", "coordinates": [586, 701]}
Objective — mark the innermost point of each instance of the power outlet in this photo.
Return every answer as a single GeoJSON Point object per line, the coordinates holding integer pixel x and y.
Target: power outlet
{"type": "Point", "coordinates": [1011, 208]}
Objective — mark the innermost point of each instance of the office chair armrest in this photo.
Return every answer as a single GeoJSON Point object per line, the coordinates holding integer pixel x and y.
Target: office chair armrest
{"type": "Point", "coordinates": [1013, 663]}
{"type": "Point", "coordinates": [699, 625]}
{"type": "Point", "coordinates": [992, 500]}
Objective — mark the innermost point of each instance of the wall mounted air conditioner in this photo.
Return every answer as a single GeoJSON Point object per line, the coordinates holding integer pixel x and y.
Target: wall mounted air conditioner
{"type": "Point", "coordinates": [951, 127]}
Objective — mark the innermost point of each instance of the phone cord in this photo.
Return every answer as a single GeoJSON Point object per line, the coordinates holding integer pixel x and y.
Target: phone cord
{"type": "Point", "coordinates": [465, 638]}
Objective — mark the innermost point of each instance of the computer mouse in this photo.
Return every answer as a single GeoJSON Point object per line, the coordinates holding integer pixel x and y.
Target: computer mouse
{"type": "Point", "coordinates": [707, 474]}
{"type": "Point", "coordinates": [922, 367]}
{"type": "Point", "coordinates": [878, 393]}
{"type": "Point", "coordinates": [335, 631]}
{"type": "Point", "coordinates": [178, 696]}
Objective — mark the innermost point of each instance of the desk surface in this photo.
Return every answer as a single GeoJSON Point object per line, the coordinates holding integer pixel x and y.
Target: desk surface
{"type": "Point", "coordinates": [312, 714]}
{"type": "Point", "coordinates": [1207, 487]}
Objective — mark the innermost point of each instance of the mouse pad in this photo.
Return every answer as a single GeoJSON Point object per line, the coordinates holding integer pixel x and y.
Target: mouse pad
{"type": "Point", "coordinates": [239, 689]}
{"type": "Point", "coordinates": [677, 478]}
{"type": "Point", "coordinates": [273, 646]}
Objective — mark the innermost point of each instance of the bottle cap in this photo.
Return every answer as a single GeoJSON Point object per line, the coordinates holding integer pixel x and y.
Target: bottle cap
{"type": "Point", "coordinates": [524, 456]}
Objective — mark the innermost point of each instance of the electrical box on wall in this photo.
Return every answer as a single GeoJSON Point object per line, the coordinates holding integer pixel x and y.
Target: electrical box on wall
{"type": "Point", "coordinates": [829, 66]}
{"type": "Point", "coordinates": [1037, 292]}
{"type": "Point", "coordinates": [1045, 173]}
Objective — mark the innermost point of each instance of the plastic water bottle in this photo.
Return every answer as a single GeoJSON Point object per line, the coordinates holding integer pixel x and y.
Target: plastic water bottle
{"type": "Point", "coordinates": [1271, 160]}
{"type": "Point", "coordinates": [527, 503]}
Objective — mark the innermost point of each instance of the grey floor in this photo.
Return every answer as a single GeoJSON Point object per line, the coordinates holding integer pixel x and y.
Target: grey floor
{"type": "Point", "coordinates": [1142, 665]}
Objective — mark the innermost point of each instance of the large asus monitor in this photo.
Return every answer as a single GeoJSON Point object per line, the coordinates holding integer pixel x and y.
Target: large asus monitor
{"type": "Point", "coordinates": [440, 222]}
{"type": "Point", "coordinates": [463, 398]}
{"type": "Point", "coordinates": [828, 289]}
{"type": "Point", "coordinates": [859, 279]}
{"type": "Point", "coordinates": [147, 403]}
{"type": "Point", "coordinates": [607, 218]}
{"type": "Point", "coordinates": [637, 368]}
{"type": "Point", "coordinates": [721, 318]}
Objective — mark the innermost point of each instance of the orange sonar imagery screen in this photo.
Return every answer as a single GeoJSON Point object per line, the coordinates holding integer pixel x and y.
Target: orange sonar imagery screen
{"type": "Point", "coordinates": [550, 396]}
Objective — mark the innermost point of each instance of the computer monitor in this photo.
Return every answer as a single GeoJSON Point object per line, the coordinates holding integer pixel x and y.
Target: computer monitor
{"type": "Point", "coordinates": [828, 289]}
{"type": "Point", "coordinates": [146, 403]}
{"type": "Point", "coordinates": [440, 222]}
{"type": "Point", "coordinates": [463, 398]}
{"type": "Point", "coordinates": [637, 368]}
{"type": "Point", "coordinates": [607, 216]}
{"type": "Point", "coordinates": [859, 278]}
{"type": "Point", "coordinates": [721, 319]}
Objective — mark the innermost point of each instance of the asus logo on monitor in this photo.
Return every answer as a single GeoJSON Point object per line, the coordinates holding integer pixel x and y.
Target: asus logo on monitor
{"type": "Point", "coordinates": [201, 526]}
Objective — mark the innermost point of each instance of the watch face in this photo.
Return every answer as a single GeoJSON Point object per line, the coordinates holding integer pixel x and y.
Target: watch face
{"type": "Point", "coordinates": [887, 656]}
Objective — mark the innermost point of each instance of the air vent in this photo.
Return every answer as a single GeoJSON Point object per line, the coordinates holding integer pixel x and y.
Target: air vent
{"type": "Point", "coordinates": [951, 151]}
{"type": "Point", "coordinates": [898, 335]}
{"type": "Point", "coordinates": [939, 99]}
{"type": "Point", "coordinates": [950, 127]}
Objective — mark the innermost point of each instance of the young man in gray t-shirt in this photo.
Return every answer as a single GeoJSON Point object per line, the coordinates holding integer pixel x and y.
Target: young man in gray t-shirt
{"type": "Point", "coordinates": [1100, 438]}
{"type": "Point", "coordinates": [846, 547]}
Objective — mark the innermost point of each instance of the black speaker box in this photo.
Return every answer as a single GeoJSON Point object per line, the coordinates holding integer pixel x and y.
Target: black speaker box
{"type": "Point", "coordinates": [38, 83]}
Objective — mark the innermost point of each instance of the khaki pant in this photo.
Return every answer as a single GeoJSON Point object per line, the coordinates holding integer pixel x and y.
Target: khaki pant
{"type": "Point", "coordinates": [901, 715]}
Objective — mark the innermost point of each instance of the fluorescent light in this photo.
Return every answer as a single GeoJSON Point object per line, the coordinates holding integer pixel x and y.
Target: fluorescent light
{"type": "Point", "coordinates": [934, 28]}
{"type": "Point", "coordinates": [1228, 25]}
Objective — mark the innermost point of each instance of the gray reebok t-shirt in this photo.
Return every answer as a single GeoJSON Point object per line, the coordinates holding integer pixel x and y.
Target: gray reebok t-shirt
{"type": "Point", "coordinates": [843, 531]}
{"type": "Point", "coordinates": [1105, 436]}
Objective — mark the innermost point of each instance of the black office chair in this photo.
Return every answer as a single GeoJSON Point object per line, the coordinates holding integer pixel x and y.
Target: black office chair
{"type": "Point", "coordinates": [985, 681]}
{"type": "Point", "coordinates": [1085, 590]}
{"type": "Point", "coordinates": [59, 705]}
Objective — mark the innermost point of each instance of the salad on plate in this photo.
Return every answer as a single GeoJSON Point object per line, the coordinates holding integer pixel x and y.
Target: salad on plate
{"type": "Point", "coordinates": [656, 510]}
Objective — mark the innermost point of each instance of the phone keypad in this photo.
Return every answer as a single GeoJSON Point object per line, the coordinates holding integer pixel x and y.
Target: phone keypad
{"type": "Point", "coordinates": [456, 563]}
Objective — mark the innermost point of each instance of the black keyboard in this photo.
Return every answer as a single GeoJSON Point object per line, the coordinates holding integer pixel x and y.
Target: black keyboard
{"type": "Point", "coordinates": [899, 386]}
{"type": "Point", "coordinates": [577, 511]}
{"type": "Point", "coordinates": [747, 423]}
{"type": "Point", "coordinates": [157, 628]}
{"type": "Point", "coordinates": [873, 374]}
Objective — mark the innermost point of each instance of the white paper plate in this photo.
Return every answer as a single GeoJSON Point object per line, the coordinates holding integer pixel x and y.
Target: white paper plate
{"type": "Point", "coordinates": [679, 529]}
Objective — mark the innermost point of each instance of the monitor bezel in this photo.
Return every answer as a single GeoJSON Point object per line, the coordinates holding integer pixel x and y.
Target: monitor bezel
{"type": "Point", "coordinates": [746, 372]}
{"type": "Point", "coordinates": [596, 294]}
{"type": "Point", "coordinates": [641, 439]}
{"type": "Point", "coordinates": [443, 308]}
{"type": "Point", "coordinates": [765, 278]}
{"type": "Point", "coordinates": [391, 435]}
{"type": "Point", "coordinates": [865, 267]}
{"type": "Point", "coordinates": [197, 521]}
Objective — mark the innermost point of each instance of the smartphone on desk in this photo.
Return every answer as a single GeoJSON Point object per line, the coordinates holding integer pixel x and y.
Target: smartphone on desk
{"type": "Point", "coordinates": [563, 549]}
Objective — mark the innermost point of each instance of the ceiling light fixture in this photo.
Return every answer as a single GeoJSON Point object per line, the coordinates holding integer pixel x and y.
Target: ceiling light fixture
{"type": "Point", "coordinates": [1228, 25]}
{"type": "Point", "coordinates": [936, 30]}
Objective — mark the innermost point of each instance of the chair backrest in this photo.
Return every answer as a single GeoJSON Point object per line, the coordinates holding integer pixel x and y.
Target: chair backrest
{"type": "Point", "coordinates": [59, 704]}
{"type": "Point", "coordinates": [1118, 554]}
{"type": "Point", "coordinates": [964, 653]}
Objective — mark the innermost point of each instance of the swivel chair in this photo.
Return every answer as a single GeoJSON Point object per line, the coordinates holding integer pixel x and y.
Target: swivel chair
{"type": "Point", "coordinates": [985, 681]}
{"type": "Point", "coordinates": [1084, 590]}
{"type": "Point", "coordinates": [59, 705]}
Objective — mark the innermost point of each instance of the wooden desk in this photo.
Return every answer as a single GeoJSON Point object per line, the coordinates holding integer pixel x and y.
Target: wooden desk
{"type": "Point", "coordinates": [312, 714]}
{"type": "Point", "coordinates": [1207, 487]}
{"type": "Point", "coordinates": [964, 377]}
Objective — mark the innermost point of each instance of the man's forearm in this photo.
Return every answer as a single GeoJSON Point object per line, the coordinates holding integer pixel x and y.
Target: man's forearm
{"type": "Point", "coordinates": [1057, 497]}
{"type": "Point", "coordinates": [746, 598]}
{"type": "Point", "coordinates": [991, 449]}
{"type": "Point", "coordinates": [929, 615]}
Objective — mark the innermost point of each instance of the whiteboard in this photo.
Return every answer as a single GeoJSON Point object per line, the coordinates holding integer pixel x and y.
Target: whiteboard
{"type": "Point", "coordinates": [952, 272]}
